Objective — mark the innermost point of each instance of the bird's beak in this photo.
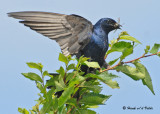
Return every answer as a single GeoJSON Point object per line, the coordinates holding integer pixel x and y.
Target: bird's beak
{"type": "Point", "coordinates": [117, 26]}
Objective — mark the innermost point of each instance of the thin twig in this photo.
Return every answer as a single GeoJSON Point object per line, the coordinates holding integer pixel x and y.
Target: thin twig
{"type": "Point", "coordinates": [70, 110]}
{"type": "Point", "coordinates": [42, 79]}
{"type": "Point", "coordinates": [111, 68]}
{"type": "Point", "coordinates": [143, 56]}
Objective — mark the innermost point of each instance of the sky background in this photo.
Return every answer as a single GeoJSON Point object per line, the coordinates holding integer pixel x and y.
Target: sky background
{"type": "Point", "coordinates": [19, 44]}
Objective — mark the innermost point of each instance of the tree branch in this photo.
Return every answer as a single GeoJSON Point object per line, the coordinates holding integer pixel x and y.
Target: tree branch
{"type": "Point", "coordinates": [143, 56]}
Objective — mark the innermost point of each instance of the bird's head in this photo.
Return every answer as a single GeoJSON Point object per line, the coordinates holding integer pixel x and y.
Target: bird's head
{"type": "Point", "coordinates": [109, 24]}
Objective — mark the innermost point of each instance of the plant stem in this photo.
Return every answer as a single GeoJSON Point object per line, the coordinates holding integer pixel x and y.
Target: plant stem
{"type": "Point", "coordinates": [42, 79]}
{"type": "Point", "coordinates": [143, 56]}
{"type": "Point", "coordinates": [70, 110]}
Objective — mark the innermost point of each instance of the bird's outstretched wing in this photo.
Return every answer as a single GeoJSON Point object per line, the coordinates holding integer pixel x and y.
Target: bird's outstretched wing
{"type": "Point", "coordinates": [72, 32]}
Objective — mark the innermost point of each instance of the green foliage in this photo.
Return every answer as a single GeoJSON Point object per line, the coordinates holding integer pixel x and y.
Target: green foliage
{"type": "Point", "coordinates": [92, 64]}
{"type": "Point", "coordinates": [32, 76]}
{"type": "Point", "coordinates": [64, 59]}
{"type": "Point", "coordinates": [155, 48]}
{"type": "Point", "coordinates": [147, 80]}
{"type": "Point", "coordinates": [72, 91]}
{"type": "Point", "coordinates": [137, 73]}
{"type": "Point", "coordinates": [125, 36]}
{"type": "Point", "coordinates": [147, 49]}
{"type": "Point", "coordinates": [23, 111]}
{"type": "Point", "coordinates": [92, 99]}
{"type": "Point", "coordinates": [106, 78]}
{"type": "Point", "coordinates": [132, 72]}
{"type": "Point", "coordinates": [37, 66]}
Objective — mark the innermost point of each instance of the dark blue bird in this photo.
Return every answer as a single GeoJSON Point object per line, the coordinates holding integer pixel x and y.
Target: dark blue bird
{"type": "Point", "coordinates": [75, 34]}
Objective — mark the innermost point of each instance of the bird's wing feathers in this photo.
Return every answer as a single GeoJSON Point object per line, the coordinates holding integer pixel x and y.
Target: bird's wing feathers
{"type": "Point", "coordinates": [72, 32]}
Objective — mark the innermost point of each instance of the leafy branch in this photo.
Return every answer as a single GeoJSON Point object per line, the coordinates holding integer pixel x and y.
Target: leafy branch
{"type": "Point", "coordinates": [143, 56]}
{"type": "Point", "coordinates": [69, 90]}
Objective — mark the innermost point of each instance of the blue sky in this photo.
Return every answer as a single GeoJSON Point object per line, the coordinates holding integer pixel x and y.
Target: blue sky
{"type": "Point", "coordinates": [19, 45]}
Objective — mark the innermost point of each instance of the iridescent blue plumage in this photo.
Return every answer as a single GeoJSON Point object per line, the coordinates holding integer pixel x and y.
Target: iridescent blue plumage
{"type": "Point", "coordinates": [98, 45]}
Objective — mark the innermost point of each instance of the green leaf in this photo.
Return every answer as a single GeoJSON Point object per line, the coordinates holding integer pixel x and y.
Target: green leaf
{"type": "Point", "coordinates": [70, 58]}
{"type": "Point", "coordinates": [147, 80]}
{"type": "Point", "coordinates": [126, 37]}
{"type": "Point", "coordinates": [40, 87]}
{"type": "Point", "coordinates": [93, 106]}
{"type": "Point", "coordinates": [20, 110]}
{"type": "Point", "coordinates": [49, 102]}
{"type": "Point", "coordinates": [69, 76]}
{"type": "Point", "coordinates": [92, 64]}
{"type": "Point", "coordinates": [106, 78]}
{"type": "Point", "coordinates": [83, 91]}
{"type": "Point", "coordinates": [127, 51]}
{"type": "Point", "coordinates": [112, 84]}
{"type": "Point", "coordinates": [113, 61]}
{"type": "Point", "coordinates": [32, 112]}
{"type": "Point", "coordinates": [125, 47]}
{"type": "Point", "coordinates": [132, 72]}
{"type": "Point", "coordinates": [41, 99]}
{"type": "Point", "coordinates": [123, 33]}
{"type": "Point", "coordinates": [65, 96]}
{"type": "Point", "coordinates": [63, 58]}
{"type": "Point", "coordinates": [61, 81]}
{"type": "Point", "coordinates": [140, 72]}
{"type": "Point", "coordinates": [50, 94]}
{"type": "Point", "coordinates": [75, 90]}
{"type": "Point", "coordinates": [94, 88]}
{"type": "Point", "coordinates": [113, 42]}
{"type": "Point", "coordinates": [81, 60]}
{"type": "Point", "coordinates": [32, 76]}
{"type": "Point", "coordinates": [71, 66]}
{"type": "Point", "coordinates": [72, 101]}
{"type": "Point", "coordinates": [35, 108]}
{"type": "Point", "coordinates": [119, 46]}
{"type": "Point", "coordinates": [92, 85]}
{"type": "Point", "coordinates": [38, 66]}
{"type": "Point", "coordinates": [23, 111]}
{"type": "Point", "coordinates": [46, 107]}
{"type": "Point", "coordinates": [55, 103]}
{"type": "Point", "coordinates": [51, 112]}
{"type": "Point", "coordinates": [51, 82]}
{"type": "Point", "coordinates": [94, 99]}
{"type": "Point", "coordinates": [59, 86]}
{"type": "Point", "coordinates": [61, 71]}
{"type": "Point", "coordinates": [76, 80]}
{"type": "Point", "coordinates": [147, 49]}
{"type": "Point", "coordinates": [45, 73]}
{"type": "Point", "coordinates": [155, 48]}
{"type": "Point", "coordinates": [84, 111]}
{"type": "Point", "coordinates": [61, 110]}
